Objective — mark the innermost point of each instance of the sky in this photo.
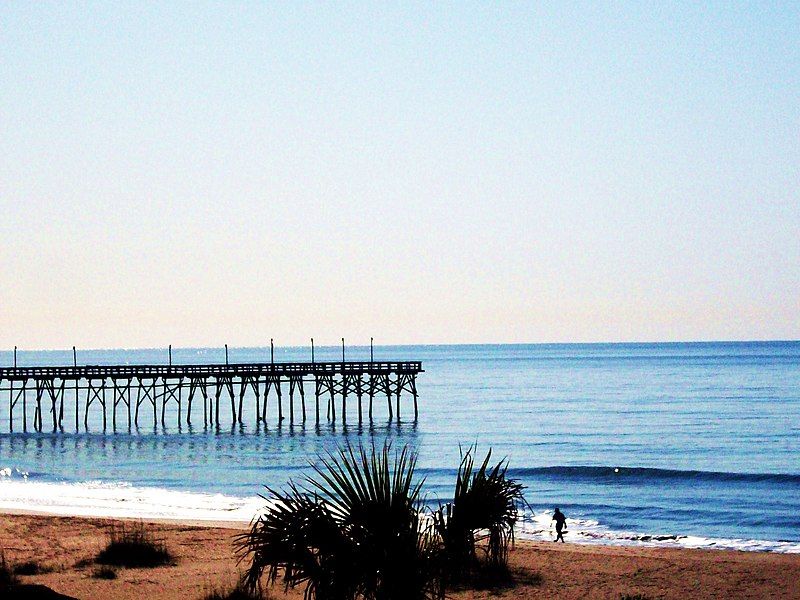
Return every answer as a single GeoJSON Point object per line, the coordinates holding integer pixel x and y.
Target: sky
{"type": "Point", "coordinates": [207, 173]}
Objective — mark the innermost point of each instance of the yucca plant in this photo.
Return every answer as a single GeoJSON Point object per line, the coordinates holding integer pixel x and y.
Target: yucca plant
{"type": "Point", "coordinates": [350, 530]}
{"type": "Point", "coordinates": [485, 508]}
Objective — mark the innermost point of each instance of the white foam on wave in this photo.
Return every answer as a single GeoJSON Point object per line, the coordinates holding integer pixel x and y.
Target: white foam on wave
{"type": "Point", "coordinates": [122, 500]}
{"type": "Point", "coordinates": [9, 472]}
{"type": "Point", "coordinates": [539, 526]}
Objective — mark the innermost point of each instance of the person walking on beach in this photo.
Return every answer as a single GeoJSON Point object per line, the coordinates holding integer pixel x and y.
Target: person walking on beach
{"type": "Point", "coordinates": [561, 524]}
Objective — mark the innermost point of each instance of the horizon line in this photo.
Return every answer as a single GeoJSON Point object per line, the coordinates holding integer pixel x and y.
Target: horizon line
{"type": "Point", "coordinates": [401, 345]}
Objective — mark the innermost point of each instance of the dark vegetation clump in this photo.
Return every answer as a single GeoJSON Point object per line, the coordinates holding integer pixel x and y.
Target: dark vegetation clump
{"type": "Point", "coordinates": [356, 528]}
{"type": "Point", "coordinates": [352, 531]}
{"type": "Point", "coordinates": [238, 592]}
{"type": "Point", "coordinates": [633, 597]}
{"type": "Point", "coordinates": [7, 575]}
{"type": "Point", "coordinates": [135, 547]}
{"type": "Point", "coordinates": [31, 567]}
{"type": "Point", "coordinates": [481, 518]}
{"type": "Point", "coordinates": [104, 572]}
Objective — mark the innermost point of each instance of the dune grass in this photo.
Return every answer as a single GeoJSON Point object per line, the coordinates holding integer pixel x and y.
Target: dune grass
{"type": "Point", "coordinates": [134, 546]}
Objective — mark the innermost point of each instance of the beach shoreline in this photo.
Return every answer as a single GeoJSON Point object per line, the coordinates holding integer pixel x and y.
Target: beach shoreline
{"type": "Point", "coordinates": [206, 560]}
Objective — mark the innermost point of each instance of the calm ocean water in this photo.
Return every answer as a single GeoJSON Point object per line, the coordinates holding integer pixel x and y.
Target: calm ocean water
{"type": "Point", "coordinates": [691, 444]}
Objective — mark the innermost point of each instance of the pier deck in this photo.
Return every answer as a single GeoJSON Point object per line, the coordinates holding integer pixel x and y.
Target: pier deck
{"type": "Point", "coordinates": [60, 390]}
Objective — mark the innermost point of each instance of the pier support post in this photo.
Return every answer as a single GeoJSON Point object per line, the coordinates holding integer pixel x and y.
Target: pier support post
{"type": "Point", "coordinates": [296, 383]}
{"type": "Point", "coordinates": [216, 404]}
{"type": "Point", "coordinates": [61, 408]}
{"type": "Point", "coordinates": [280, 399]}
{"type": "Point", "coordinates": [37, 411]}
{"type": "Point", "coordinates": [360, 394]}
{"type": "Point", "coordinates": [317, 390]}
{"type": "Point", "coordinates": [24, 409]}
{"type": "Point", "coordinates": [344, 401]}
{"type": "Point", "coordinates": [233, 409]}
{"type": "Point", "coordinates": [242, 389]}
{"type": "Point", "coordinates": [371, 391]}
{"type": "Point", "coordinates": [302, 399]}
{"type": "Point", "coordinates": [267, 385]}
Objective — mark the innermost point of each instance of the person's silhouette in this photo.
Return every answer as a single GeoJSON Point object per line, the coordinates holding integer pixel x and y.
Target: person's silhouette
{"type": "Point", "coordinates": [561, 524]}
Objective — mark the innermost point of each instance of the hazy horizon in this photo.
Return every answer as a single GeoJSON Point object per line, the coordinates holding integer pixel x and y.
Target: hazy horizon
{"type": "Point", "coordinates": [462, 173]}
{"type": "Point", "coordinates": [362, 346]}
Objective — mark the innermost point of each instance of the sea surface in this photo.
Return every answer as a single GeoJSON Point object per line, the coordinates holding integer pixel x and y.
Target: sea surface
{"type": "Point", "coordinates": [680, 444]}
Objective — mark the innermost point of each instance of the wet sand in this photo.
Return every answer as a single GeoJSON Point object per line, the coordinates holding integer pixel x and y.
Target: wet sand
{"type": "Point", "coordinates": [206, 560]}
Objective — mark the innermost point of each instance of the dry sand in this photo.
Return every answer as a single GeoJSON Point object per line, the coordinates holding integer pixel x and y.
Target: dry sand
{"type": "Point", "coordinates": [205, 560]}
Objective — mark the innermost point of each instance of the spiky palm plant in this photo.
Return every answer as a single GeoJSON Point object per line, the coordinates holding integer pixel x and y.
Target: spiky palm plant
{"type": "Point", "coordinates": [485, 507]}
{"type": "Point", "coordinates": [350, 530]}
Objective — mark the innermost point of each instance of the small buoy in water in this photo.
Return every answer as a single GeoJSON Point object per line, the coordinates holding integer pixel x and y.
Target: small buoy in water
{"type": "Point", "coordinates": [616, 469]}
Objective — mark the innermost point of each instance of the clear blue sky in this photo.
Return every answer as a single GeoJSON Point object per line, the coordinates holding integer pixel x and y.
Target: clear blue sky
{"type": "Point", "coordinates": [195, 173]}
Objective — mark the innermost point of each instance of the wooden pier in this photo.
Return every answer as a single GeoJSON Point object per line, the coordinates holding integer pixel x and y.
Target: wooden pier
{"type": "Point", "coordinates": [127, 395]}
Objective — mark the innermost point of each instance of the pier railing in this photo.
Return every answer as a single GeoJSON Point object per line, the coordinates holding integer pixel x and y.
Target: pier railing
{"type": "Point", "coordinates": [209, 370]}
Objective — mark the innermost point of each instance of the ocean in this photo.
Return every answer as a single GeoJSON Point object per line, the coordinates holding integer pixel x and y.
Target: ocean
{"type": "Point", "coordinates": [675, 444]}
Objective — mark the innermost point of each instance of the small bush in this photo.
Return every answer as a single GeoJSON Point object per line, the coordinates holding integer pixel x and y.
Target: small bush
{"type": "Point", "coordinates": [104, 573]}
{"type": "Point", "coordinates": [633, 597]}
{"type": "Point", "coordinates": [31, 567]}
{"type": "Point", "coordinates": [483, 512]}
{"type": "Point", "coordinates": [134, 547]}
{"type": "Point", "coordinates": [238, 592]}
{"type": "Point", "coordinates": [7, 576]}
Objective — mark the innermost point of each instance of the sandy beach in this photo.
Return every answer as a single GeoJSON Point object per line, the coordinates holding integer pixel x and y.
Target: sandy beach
{"type": "Point", "coordinates": [205, 561]}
